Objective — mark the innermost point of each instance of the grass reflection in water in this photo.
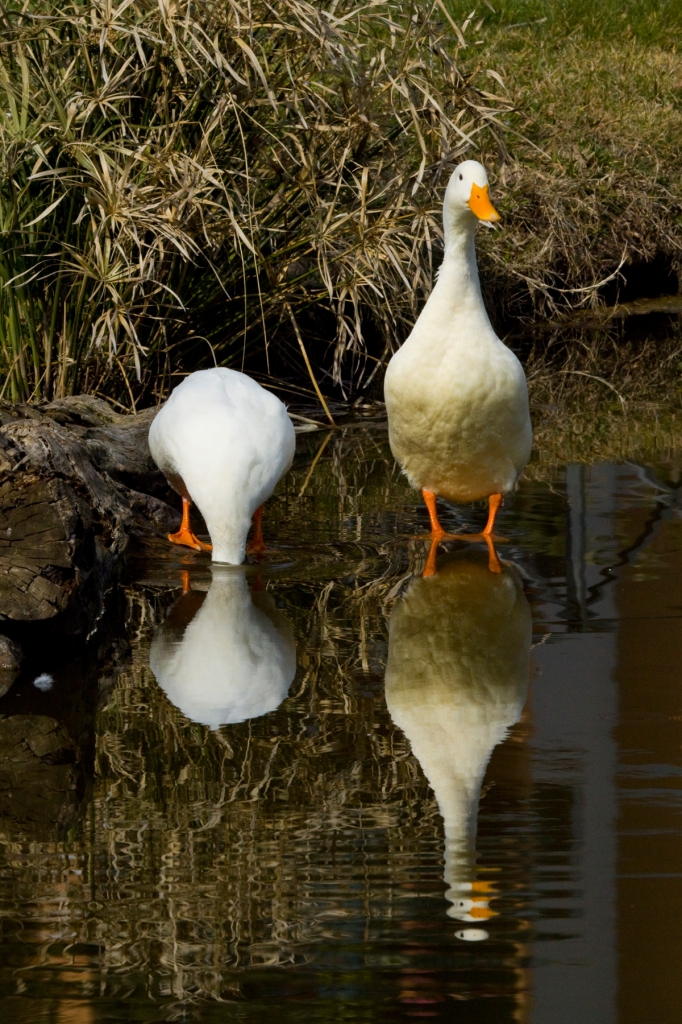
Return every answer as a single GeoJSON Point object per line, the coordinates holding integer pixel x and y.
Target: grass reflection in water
{"type": "Point", "coordinates": [193, 870]}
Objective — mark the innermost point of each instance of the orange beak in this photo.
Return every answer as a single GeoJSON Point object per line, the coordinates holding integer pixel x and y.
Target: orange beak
{"type": "Point", "coordinates": [479, 203]}
{"type": "Point", "coordinates": [481, 911]}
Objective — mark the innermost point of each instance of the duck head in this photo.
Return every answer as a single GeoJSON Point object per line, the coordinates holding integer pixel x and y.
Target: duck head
{"type": "Point", "coordinates": [467, 199]}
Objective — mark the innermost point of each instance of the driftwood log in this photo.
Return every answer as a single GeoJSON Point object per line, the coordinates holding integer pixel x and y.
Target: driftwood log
{"type": "Point", "coordinates": [76, 482]}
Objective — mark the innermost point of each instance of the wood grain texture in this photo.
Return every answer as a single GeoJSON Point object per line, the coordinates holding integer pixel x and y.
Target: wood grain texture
{"type": "Point", "coordinates": [68, 506]}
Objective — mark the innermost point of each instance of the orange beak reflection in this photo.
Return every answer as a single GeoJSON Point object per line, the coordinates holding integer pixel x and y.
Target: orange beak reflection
{"type": "Point", "coordinates": [479, 203]}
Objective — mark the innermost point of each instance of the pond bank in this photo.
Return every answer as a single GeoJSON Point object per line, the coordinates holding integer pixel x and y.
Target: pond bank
{"type": "Point", "coordinates": [78, 485]}
{"type": "Point", "coordinates": [71, 475]}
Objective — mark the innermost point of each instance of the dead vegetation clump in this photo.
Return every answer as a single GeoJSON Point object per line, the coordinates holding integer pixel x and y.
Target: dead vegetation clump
{"type": "Point", "coordinates": [263, 186]}
{"type": "Point", "coordinates": [169, 169]}
{"type": "Point", "coordinates": [613, 363]}
{"type": "Point", "coordinates": [604, 396]}
{"type": "Point", "coordinates": [584, 429]}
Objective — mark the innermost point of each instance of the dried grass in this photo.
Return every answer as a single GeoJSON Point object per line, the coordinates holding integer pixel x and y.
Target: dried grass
{"type": "Point", "coordinates": [261, 186]}
{"type": "Point", "coordinates": [166, 164]}
{"type": "Point", "coordinates": [109, 185]}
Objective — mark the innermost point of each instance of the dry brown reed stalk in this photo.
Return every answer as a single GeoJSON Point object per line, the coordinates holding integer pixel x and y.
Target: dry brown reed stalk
{"type": "Point", "coordinates": [109, 186]}
{"type": "Point", "coordinates": [336, 169]}
{"type": "Point", "coordinates": [240, 164]}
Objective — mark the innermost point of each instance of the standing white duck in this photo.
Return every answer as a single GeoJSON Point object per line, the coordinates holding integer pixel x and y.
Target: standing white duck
{"type": "Point", "coordinates": [223, 443]}
{"type": "Point", "coordinates": [456, 681]}
{"type": "Point", "coordinates": [456, 396]}
{"type": "Point", "coordinates": [225, 656]}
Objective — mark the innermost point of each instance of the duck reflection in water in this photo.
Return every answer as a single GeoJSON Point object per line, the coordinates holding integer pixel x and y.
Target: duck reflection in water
{"type": "Point", "coordinates": [224, 656]}
{"type": "Point", "coordinates": [456, 681]}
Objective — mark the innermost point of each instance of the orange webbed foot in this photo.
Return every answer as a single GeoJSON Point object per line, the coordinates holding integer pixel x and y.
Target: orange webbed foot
{"type": "Point", "coordinates": [438, 534]}
{"type": "Point", "coordinates": [185, 536]}
{"type": "Point", "coordinates": [256, 548]}
{"type": "Point", "coordinates": [188, 539]}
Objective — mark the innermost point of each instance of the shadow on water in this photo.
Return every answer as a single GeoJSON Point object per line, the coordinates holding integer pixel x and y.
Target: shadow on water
{"type": "Point", "coordinates": [326, 787]}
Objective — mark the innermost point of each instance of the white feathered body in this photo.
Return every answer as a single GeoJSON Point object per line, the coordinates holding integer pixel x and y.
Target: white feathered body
{"type": "Point", "coordinates": [456, 681]}
{"type": "Point", "coordinates": [456, 396]}
{"type": "Point", "coordinates": [235, 659]}
{"type": "Point", "coordinates": [224, 442]}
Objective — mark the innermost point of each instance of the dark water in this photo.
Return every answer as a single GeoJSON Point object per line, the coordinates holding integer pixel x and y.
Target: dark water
{"type": "Point", "coordinates": [327, 858]}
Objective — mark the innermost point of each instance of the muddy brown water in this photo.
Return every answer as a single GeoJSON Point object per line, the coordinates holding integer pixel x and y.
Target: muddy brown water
{"type": "Point", "coordinates": [457, 798]}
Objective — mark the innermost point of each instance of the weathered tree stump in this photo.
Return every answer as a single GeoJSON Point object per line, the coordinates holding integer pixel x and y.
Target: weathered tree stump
{"type": "Point", "coordinates": [116, 444]}
{"type": "Point", "coordinates": [70, 474]}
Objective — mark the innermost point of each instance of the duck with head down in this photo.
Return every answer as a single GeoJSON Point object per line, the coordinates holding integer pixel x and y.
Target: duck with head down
{"type": "Point", "coordinates": [456, 396]}
{"type": "Point", "coordinates": [223, 442]}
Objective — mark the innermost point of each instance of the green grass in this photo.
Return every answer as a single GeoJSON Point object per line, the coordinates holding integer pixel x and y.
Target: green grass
{"type": "Point", "coordinates": [591, 175]}
{"type": "Point", "coordinates": [651, 22]}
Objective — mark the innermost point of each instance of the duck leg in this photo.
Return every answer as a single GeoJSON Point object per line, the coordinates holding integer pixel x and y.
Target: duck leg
{"type": "Point", "coordinates": [438, 533]}
{"type": "Point", "coordinates": [430, 567]}
{"type": "Point", "coordinates": [430, 502]}
{"type": "Point", "coordinates": [494, 563]}
{"type": "Point", "coordinates": [257, 544]}
{"type": "Point", "coordinates": [185, 536]}
{"type": "Point", "coordinates": [494, 502]}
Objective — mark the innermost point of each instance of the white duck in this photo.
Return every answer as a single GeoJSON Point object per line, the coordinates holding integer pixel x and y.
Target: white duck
{"type": "Point", "coordinates": [456, 681]}
{"type": "Point", "coordinates": [225, 656]}
{"type": "Point", "coordinates": [223, 442]}
{"type": "Point", "coordinates": [456, 396]}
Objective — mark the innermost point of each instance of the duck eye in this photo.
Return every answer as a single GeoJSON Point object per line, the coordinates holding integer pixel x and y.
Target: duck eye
{"type": "Point", "coordinates": [461, 177]}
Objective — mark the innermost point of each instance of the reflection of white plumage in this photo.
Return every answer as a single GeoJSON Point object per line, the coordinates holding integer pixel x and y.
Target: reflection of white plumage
{"type": "Point", "coordinates": [456, 681]}
{"type": "Point", "coordinates": [223, 442]}
{"type": "Point", "coordinates": [224, 656]}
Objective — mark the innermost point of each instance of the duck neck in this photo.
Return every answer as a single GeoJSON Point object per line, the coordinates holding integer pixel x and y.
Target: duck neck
{"type": "Point", "coordinates": [228, 587]}
{"type": "Point", "coordinates": [458, 276]}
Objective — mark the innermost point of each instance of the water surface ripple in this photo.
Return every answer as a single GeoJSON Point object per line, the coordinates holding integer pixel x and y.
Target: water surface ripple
{"type": "Point", "coordinates": [323, 787]}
